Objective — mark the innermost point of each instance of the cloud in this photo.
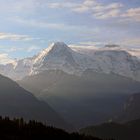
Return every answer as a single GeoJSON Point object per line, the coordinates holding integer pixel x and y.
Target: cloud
{"type": "Point", "coordinates": [38, 23]}
{"type": "Point", "coordinates": [132, 43]}
{"type": "Point", "coordinates": [91, 43]}
{"type": "Point", "coordinates": [5, 59]}
{"type": "Point", "coordinates": [62, 5]}
{"type": "Point", "coordinates": [54, 26]}
{"type": "Point", "coordinates": [33, 48]}
{"type": "Point", "coordinates": [88, 45]}
{"type": "Point", "coordinates": [132, 14]}
{"type": "Point", "coordinates": [135, 42]}
{"type": "Point", "coordinates": [27, 49]}
{"type": "Point", "coordinates": [13, 49]}
{"type": "Point", "coordinates": [100, 10]}
{"type": "Point", "coordinates": [14, 37]}
{"type": "Point", "coordinates": [107, 14]}
{"type": "Point", "coordinates": [135, 52]}
{"type": "Point", "coordinates": [24, 6]}
{"type": "Point", "coordinates": [97, 9]}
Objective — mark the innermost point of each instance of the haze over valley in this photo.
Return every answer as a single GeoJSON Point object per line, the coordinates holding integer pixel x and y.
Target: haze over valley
{"type": "Point", "coordinates": [70, 69]}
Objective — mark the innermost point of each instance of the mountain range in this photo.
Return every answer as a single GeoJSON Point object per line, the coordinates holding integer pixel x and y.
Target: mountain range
{"type": "Point", "coordinates": [82, 100]}
{"type": "Point", "coordinates": [16, 102]}
{"type": "Point", "coordinates": [130, 109]}
{"type": "Point", "coordinates": [118, 131]}
{"type": "Point", "coordinates": [74, 60]}
{"type": "Point", "coordinates": [84, 85]}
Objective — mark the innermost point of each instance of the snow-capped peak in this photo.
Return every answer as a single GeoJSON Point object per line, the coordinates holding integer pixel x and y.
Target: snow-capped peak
{"type": "Point", "coordinates": [57, 56]}
{"type": "Point", "coordinates": [58, 45]}
{"type": "Point", "coordinates": [59, 48]}
{"type": "Point", "coordinates": [53, 50]}
{"type": "Point", "coordinates": [108, 59]}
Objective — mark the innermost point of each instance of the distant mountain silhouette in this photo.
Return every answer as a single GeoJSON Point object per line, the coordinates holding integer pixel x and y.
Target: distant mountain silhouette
{"type": "Point", "coordinates": [18, 129]}
{"type": "Point", "coordinates": [75, 60]}
{"type": "Point", "coordinates": [17, 102]}
{"type": "Point", "coordinates": [82, 100]}
{"type": "Point", "coordinates": [126, 131]}
{"type": "Point", "coordinates": [131, 109]}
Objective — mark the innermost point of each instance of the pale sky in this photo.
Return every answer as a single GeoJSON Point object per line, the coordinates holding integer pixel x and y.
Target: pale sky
{"type": "Point", "coordinates": [28, 26]}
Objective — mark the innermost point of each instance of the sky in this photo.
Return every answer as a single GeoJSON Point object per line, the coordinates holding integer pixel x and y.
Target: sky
{"type": "Point", "coordinates": [28, 26]}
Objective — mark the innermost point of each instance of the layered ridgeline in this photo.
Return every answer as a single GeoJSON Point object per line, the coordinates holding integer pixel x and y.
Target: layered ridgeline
{"type": "Point", "coordinates": [82, 100]}
{"type": "Point", "coordinates": [84, 86]}
{"type": "Point", "coordinates": [84, 89]}
{"type": "Point", "coordinates": [131, 109]}
{"type": "Point", "coordinates": [110, 59]}
{"type": "Point", "coordinates": [18, 129]}
{"type": "Point", "coordinates": [125, 131]}
{"type": "Point", "coordinates": [17, 102]}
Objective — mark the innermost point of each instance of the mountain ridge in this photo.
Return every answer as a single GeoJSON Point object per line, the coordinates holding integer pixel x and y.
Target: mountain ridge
{"type": "Point", "coordinates": [18, 102]}
{"type": "Point", "coordinates": [73, 61]}
{"type": "Point", "coordinates": [90, 98]}
{"type": "Point", "coordinates": [120, 131]}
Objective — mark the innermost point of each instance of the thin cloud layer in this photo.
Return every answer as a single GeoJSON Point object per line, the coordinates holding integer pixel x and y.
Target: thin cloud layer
{"type": "Point", "coordinates": [14, 37]}
{"type": "Point", "coordinates": [5, 59]}
{"type": "Point", "coordinates": [132, 14]}
{"type": "Point", "coordinates": [100, 10]}
{"type": "Point", "coordinates": [28, 26]}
